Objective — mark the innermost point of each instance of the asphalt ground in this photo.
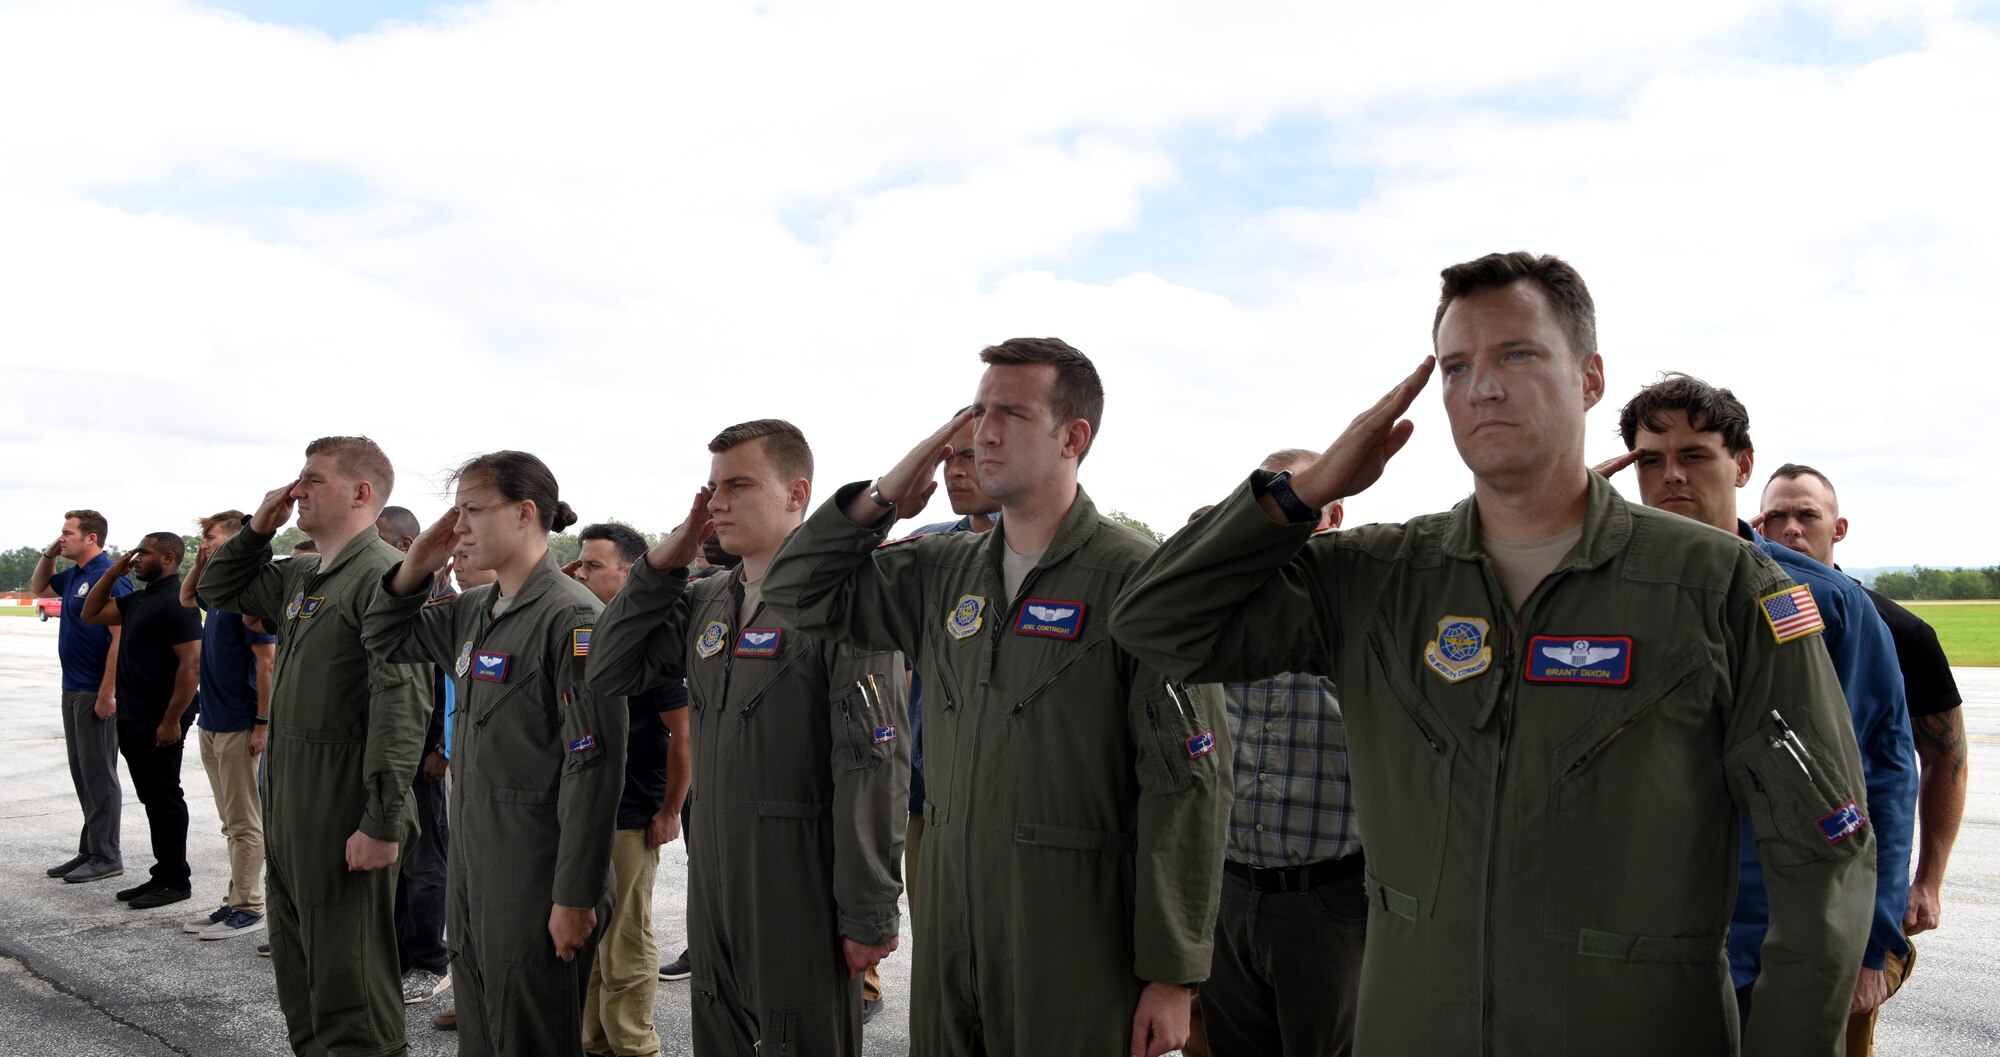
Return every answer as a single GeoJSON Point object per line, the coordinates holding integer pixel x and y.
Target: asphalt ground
{"type": "Point", "coordinates": [82, 974]}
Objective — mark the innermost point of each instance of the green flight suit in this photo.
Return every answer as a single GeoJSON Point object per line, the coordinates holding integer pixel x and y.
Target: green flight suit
{"type": "Point", "coordinates": [1552, 822]}
{"type": "Point", "coordinates": [534, 802]}
{"type": "Point", "coordinates": [801, 792]}
{"type": "Point", "coordinates": [1075, 803]}
{"type": "Point", "coordinates": [347, 732]}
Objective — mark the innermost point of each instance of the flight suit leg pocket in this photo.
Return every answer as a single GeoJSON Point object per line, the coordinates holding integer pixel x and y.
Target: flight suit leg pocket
{"type": "Point", "coordinates": [1797, 813]}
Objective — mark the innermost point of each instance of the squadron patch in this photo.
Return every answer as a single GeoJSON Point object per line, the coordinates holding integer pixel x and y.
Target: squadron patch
{"type": "Point", "coordinates": [1201, 745]}
{"type": "Point", "coordinates": [1792, 613]}
{"type": "Point", "coordinates": [1460, 650]}
{"type": "Point", "coordinates": [576, 745]}
{"type": "Point", "coordinates": [579, 642]}
{"type": "Point", "coordinates": [711, 639]}
{"type": "Point", "coordinates": [309, 605]}
{"type": "Point", "coordinates": [966, 617]}
{"type": "Point", "coordinates": [1603, 660]}
{"type": "Point", "coordinates": [464, 658]}
{"type": "Point", "coordinates": [759, 642]}
{"type": "Point", "coordinates": [292, 608]}
{"type": "Point", "coordinates": [489, 666]}
{"type": "Point", "coordinates": [884, 734]}
{"type": "Point", "coordinates": [1050, 618]}
{"type": "Point", "coordinates": [1842, 824]}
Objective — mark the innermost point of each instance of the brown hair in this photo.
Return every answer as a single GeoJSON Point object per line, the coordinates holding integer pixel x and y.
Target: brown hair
{"type": "Point", "coordinates": [1795, 470]}
{"type": "Point", "coordinates": [784, 444]}
{"type": "Point", "coordinates": [1285, 457]}
{"type": "Point", "coordinates": [1077, 392]}
{"type": "Point", "coordinates": [1709, 410]}
{"type": "Point", "coordinates": [359, 458]}
{"type": "Point", "coordinates": [520, 477]}
{"type": "Point", "coordinates": [89, 522]}
{"type": "Point", "coordinates": [1567, 294]}
{"type": "Point", "coordinates": [231, 518]}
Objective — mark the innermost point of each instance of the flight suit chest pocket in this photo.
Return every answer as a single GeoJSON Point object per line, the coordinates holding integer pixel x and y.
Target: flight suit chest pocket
{"type": "Point", "coordinates": [867, 726]}
{"type": "Point", "coordinates": [1797, 812]}
{"type": "Point", "coordinates": [496, 678]}
{"type": "Point", "coordinates": [1615, 718]}
{"type": "Point", "coordinates": [1175, 739]}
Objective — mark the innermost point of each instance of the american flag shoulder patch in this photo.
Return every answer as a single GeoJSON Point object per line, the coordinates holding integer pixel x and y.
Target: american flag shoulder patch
{"type": "Point", "coordinates": [1791, 613]}
{"type": "Point", "coordinates": [579, 642]}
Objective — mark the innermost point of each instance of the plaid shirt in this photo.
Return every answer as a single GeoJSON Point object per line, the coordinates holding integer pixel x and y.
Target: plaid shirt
{"type": "Point", "coordinates": [1292, 805]}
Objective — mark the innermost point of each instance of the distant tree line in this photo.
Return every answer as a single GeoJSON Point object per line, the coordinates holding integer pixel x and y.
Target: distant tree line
{"type": "Point", "coordinates": [1929, 585]}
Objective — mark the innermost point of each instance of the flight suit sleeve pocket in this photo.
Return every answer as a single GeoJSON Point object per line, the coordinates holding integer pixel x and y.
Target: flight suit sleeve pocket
{"type": "Point", "coordinates": [1797, 813]}
{"type": "Point", "coordinates": [582, 743]}
{"type": "Point", "coordinates": [1175, 739]}
{"type": "Point", "coordinates": [867, 729]}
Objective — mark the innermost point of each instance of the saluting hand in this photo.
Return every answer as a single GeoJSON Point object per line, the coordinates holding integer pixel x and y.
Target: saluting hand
{"type": "Point", "coordinates": [123, 565]}
{"type": "Point", "coordinates": [430, 552]}
{"type": "Point", "coordinates": [570, 929]}
{"type": "Point", "coordinates": [53, 550]}
{"type": "Point", "coordinates": [1355, 460]}
{"type": "Point", "coordinates": [684, 542]}
{"type": "Point", "coordinates": [912, 482]}
{"type": "Point", "coordinates": [276, 509]}
{"type": "Point", "coordinates": [1611, 466]}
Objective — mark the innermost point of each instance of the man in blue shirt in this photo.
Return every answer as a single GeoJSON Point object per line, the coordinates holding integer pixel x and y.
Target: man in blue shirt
{"type": "Point", "coordinates": [1693, 450]}
{"type": "Point", "coordinates": [89, 657]}
{"type": "Point", "coordinates": [236, 659]}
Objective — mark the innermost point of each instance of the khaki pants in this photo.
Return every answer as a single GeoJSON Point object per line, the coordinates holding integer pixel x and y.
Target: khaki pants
{"type": "Point", "coordinates": [618, 1008]}
{"type": "Point", "coordinates": [1861, 1026]}
{"type": "Point", "coordinates": [232, 774]}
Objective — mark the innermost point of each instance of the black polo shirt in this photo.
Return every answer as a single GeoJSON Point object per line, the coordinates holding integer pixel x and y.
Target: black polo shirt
{"type": "Point", "coordinates": [1927, 681]}
{"type": "Point", "coordinates": [153, 623]}
{"type": "Point", "coordinates": [646, 753]}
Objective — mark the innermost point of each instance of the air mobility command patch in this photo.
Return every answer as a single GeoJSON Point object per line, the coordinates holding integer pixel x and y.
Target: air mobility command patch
{"type": "Point", "coordinates": [489, 666]}
{"type": "Point", "coordinates": [1050, 618]}
{"type": "Point", "coordinates": [711, 639]}
{"type": "Point", "coordinates": [579, 642]}
{"type": "Point", "coordinates": [1842, 824]}
{"type": "Point", "coordinates": [759, 642]}
{"type": "Point", "coordinates": [292, 608]}
{"type": "Point", "coordinates": [1792, 613]}
{"type": "Point", "coordinates": [1460, 650]}
{"type": "Point", "coordinates": [966, 617]}
{"type": "Point", "coordinates": [464, 658]}
{"type": "Point", "coordinates": [1600, 660]}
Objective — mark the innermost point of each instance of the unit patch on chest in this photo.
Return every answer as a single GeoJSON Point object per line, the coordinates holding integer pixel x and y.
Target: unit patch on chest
{"type": "Point", "coordinates": [489, 666]}
{"type": "Point", "coordinates": [309, 606]}
{"type": "Point", "coordinates": [759, 642]}
{"type": "Point", "coordinates": [464, 658]}
{"type": "Point", "coordinates": [1050, 618]}
{"type": "Point", "coordinates": [966, 616]}
{"type": "Point", "coordinates": [1460, 650]}
{"type": "Point", "coordinates": [83, 588]}
{"type": "Point", "coordinates": [711, 640]}
{"type": "Point", "coordinates": [292, 608]}
{"type": "Point", "coordinates": [1602, 660]}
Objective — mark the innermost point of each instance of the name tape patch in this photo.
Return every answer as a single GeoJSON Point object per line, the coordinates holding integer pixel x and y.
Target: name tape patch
{"type": "Point", "coordinates": [759, 642]}
{"type": "Point", "coordinates": [489, 666]}
{"type": "Point", "coordinates": [1845, 822]}
{"type": "Point", "coordinates": [1601, 660]}
{"type": "Point", "coordinates": [1050, 618]}
{"type": "Point", "coordinates": [1201, 745]}
{"type": "Point", "coordinates": [1792, 613]}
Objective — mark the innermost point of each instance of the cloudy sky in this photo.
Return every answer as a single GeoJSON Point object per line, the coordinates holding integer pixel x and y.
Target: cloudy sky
{"type": "Point", "coordinates": [601, 231]}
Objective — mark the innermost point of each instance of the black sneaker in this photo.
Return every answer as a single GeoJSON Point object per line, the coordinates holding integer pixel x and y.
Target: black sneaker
{"type": "Point", "coordinates": [126, 895]}
{"type": "Point", "coordinates": [94, 870]}
{"type": "Point", "coordinates": [264, 950]}
{"type": "Point", "coordinates": [678, 969]}
{"type": "Point", "coordinates": [160, 896]}
{"type": "Point", "coordinates": [58, 871]}
{"type": "Point", "coordinates": [870, 1007]}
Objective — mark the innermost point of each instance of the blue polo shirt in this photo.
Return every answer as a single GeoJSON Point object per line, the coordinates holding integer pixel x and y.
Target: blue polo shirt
{"type": "Point", "coordinates": [1865, 657]}
{"type": "Point", "coordinates": [82, 646]}
{"type": "Point", "coordinates": [228, 671]}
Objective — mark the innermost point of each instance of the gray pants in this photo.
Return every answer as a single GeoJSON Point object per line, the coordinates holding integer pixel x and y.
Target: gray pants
{"type": "Point", "coordinates": [1287, 970]}
{"type": "Point", "coordinates": [93, 769]}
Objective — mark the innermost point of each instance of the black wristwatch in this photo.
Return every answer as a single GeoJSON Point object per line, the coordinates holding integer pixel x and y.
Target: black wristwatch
{"type": "Point", "coordinates": [1296, 511]}
{"type": "Point", "coordinates": [875, 493]}
{"type": "Point", "coordinates": [262, 721]}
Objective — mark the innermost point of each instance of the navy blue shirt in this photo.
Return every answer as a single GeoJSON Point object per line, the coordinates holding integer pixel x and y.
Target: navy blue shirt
{"type": "Point", "coordinates": [228, 671]}
{"type": "Point", "coordinates": [646, 752]}
{"type": "Point", "coordinates": [942, 528]}
{"type": "Point", "coordinates": [82, 646]}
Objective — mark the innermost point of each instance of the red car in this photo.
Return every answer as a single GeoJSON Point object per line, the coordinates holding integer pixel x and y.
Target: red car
{"type": "Point", "coordinates": [49, 607]}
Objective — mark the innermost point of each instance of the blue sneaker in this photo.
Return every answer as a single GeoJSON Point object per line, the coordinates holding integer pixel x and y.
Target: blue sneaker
{"type": "Point", "coordinates": [238, 923]}
{"type": "Point", "coordinates": [195, 926]}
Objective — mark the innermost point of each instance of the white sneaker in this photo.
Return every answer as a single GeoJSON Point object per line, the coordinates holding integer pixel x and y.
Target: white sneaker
{"type": "Point", "coordinates": [238, 923]}
{"type": "Point", "coordinates": [422, 985]}
{"type": "Point", "coordinates": [196, 926]}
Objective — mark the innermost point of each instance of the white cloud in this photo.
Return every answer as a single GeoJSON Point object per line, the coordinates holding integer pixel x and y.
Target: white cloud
{"type": "Point", "coordinates": [603, 230]}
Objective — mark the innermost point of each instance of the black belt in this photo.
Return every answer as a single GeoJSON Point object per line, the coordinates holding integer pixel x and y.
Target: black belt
{"type": "Point", "coordinates": [1295, 878]}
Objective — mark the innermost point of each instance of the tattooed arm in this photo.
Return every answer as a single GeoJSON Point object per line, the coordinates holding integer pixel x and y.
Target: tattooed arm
{"type": "Point", "coordinates": [1940, 806]}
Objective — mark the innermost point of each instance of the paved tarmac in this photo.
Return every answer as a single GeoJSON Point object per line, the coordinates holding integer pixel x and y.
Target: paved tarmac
{"type": "Point", "coordinates": [82, 974]}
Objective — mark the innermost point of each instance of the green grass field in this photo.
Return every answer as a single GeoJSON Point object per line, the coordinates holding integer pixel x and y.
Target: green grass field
{"type": "Point", "coordinates": [1970, 631]}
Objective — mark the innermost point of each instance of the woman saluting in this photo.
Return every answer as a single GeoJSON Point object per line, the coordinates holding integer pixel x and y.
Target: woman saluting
{"type": "Point", "coordinates": [534, 801]}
